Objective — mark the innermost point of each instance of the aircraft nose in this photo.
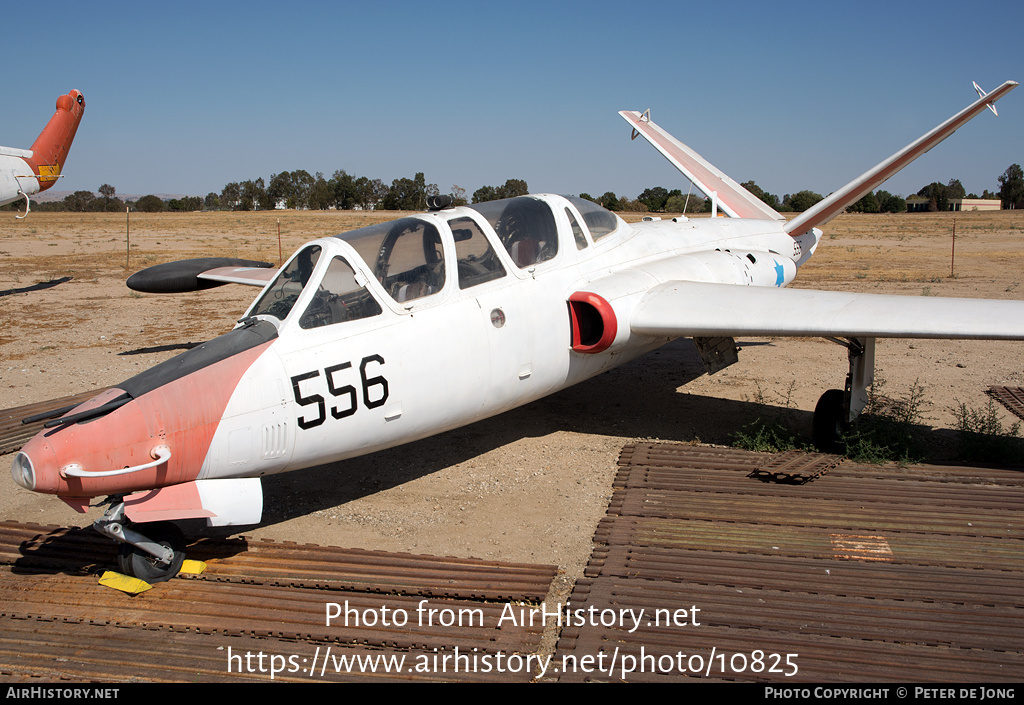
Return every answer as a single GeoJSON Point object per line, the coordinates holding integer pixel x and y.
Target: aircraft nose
{"type": "Point", "coordinates": [23, 471]}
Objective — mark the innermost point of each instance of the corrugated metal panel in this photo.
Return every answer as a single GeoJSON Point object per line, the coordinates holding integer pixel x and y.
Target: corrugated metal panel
{"type": "Point", "coordinates": [422, 613]}
{"type": "Point", "coordinates": [866, 573]}
{"type": "Point", "coordinates": [1010, 397]}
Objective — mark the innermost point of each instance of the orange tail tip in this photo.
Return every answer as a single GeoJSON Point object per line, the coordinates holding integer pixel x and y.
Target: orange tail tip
{"type": "Point", "coordinates": [50, 150]}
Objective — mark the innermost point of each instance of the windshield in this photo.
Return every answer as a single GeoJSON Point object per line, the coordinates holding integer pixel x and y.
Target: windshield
{"type": "Point", "coordinates": [339, 297]}
{"type": "Point", "coordinates": [278, 300]}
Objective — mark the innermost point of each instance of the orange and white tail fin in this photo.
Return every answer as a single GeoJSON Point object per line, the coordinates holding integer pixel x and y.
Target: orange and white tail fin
{"type": "Point", "coordinates": [50, 150]}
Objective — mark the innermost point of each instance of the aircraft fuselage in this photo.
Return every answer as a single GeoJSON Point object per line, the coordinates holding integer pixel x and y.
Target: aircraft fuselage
{"type": "Point", "coordinates": [305, 392]}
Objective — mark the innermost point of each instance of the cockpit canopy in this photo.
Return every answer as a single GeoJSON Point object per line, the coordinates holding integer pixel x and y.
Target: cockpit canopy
{"type": "Point", "coordinates": [407, 256]}
{"type": "Point", "coordinates": [525, 227]}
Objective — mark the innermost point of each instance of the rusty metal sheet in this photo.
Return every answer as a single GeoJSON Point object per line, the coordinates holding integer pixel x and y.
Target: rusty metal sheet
{"type": "Point", "coordinates": [1010, 397]}
{"type": "Point", "coordinates": [399, 616]}
{"type": "Point", "coordinates": [796, 467]}
{"type": "Point", "coordinates": [868, 573]}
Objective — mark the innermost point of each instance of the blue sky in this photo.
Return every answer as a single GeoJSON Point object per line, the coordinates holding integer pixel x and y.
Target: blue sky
{"type": "Point", "coordinates": [185, 97]}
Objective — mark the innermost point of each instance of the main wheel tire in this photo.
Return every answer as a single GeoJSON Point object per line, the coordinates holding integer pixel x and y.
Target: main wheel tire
{"type": "Point", "coordinates": [144, 566]}
{"type": "Point", "coordinates": [829, 421]}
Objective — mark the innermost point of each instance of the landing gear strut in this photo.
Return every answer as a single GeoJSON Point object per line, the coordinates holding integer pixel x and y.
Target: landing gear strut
{"type": "Point", "coordinates": [155, 556]}
{"type": "Point", "coordinates": [837, 408]}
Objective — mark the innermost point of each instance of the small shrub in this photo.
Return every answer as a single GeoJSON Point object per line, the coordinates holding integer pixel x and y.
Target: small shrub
{"type": "Point", "coordinates": [888, 430]}
{"type": "Point", "coordinates": [772, 430]}
{"type": "Point", "coordinates": [983, 436]}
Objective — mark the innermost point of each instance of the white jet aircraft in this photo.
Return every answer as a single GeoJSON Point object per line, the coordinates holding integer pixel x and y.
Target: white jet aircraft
{"type": "Point", "coordinates": [24, 172]}
{"type": "Point", "coordinates": [401, 330]}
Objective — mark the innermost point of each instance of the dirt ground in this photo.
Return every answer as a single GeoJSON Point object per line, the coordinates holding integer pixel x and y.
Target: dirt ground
{"type": "Point", "coordinates": [530, 485]}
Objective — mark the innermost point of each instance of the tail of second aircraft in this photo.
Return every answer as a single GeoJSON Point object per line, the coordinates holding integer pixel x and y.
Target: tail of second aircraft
{"type": "Point", "coordinates": [50, 150]}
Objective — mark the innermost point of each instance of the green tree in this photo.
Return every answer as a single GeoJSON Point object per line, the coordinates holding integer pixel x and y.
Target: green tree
{"type": "Point", "coordinates": [510, 189]}
{"type": "Point", "coordinates": [610, 201]}
{"type": "Point", "coordinates": [186, 204]}
{"type": "Point", "coordinates": [1011, 187]}
{"type": "Point", "coordinates": [78, 201]}
{"type": "Point", "coordinates": [867, 204]}
{"type": "Point", "coordinates": [937, 195]}
{"type": "Point", "coordinates": [771, 200]}
{"type": "Point", "coordinates": [679, 202]}
{"type": "Point", "coordinates": [344, 190]}
{"type": "Point", "coordinates": [281, 190]}
{"type": "Point", "coordinates": [107, 192]}
{"type": "Point", "coordinates": [253, 195]}
{"type": "Point", "coordinates": [654, 198]}
{"type": "Point", "coordinates": [409, 194]}
{"type": "Point", "coordinates": [888, 203]}
{"type": "Point", "coordinates": [321, 195]}
{"type": "Point", "coordinates": [150, 204]}
{"type": "Point", "coordinates": [513, 188]}
{"type": "Point", "coordinates": [802, 200]}
{"type": "Point", "coordinates": [231, 196]}
{"type": "Point", "coordinates": [484, 194]}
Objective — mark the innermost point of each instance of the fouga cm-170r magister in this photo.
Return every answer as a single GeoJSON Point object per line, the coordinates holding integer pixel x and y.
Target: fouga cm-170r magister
{"type": "Point", "coordinates": [397, 331]}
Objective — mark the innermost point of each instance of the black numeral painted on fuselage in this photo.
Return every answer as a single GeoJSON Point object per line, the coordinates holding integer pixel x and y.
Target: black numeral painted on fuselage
{"type": "Point", "coordinates": [374, 391]}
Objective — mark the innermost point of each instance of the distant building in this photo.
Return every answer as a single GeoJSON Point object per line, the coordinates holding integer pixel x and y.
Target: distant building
{"type": "Point", "coordinates": [919, 204]}
{"type": "Point", "coordinates": [976, 204]}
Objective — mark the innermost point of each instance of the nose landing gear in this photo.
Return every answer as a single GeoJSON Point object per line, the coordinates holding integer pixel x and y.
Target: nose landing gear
{"type": "Point", "coordinates": [155, 556]}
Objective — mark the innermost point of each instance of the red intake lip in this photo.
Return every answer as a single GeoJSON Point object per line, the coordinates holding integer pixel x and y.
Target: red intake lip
{"type": "Point", "coordinates": [182, 415]}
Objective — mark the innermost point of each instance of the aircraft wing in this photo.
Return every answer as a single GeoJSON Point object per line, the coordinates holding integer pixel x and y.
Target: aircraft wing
{"type": "Point", "coordinates": [734, 200]}
{"type": "Point", "coordinates": [201, 273]}
{"type": "Point", "coordinates": [252, 276]}
{"type": "Point", "coordinates": [681, 308]}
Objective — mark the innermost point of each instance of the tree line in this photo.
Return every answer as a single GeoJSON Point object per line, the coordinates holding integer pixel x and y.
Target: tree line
{"type": "Point", "coordinates": [343, 191]}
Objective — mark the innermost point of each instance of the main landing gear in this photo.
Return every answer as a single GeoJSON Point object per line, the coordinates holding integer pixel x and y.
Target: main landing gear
{"type": "Point", "coordinates": [154, 556]}
{"type": "Point", "coordinates": [837, 408]}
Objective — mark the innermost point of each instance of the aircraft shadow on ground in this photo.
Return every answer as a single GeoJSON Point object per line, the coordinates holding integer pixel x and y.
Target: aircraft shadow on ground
{"type": "Point", "coordinates": [35, 287]}
{"type": "Point", "coordinates": [160, 348]}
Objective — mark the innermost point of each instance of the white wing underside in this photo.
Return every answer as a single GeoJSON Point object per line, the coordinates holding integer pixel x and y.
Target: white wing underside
{"type": "Point", "coordinates": [251, 276]}
{"type": "Point", "coordinates": [680, 309]}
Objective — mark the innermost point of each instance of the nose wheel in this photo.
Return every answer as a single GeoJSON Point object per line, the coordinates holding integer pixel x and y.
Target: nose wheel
{"type": "Point", "coordinates": [152, 552]}
{"type": "Point", "coordinates": [140, 563]}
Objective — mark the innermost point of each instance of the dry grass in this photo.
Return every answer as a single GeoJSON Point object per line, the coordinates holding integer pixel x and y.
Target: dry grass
{"type": "Point", "coordinates": [913, 250]}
